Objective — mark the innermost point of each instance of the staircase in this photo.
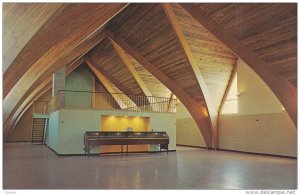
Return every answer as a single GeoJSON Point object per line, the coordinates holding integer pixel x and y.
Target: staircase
{"type": "Point", "coordinates": [39, 126]}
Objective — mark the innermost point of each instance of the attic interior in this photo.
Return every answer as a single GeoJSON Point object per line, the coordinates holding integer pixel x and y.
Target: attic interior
{"type": "Point", "coordinates": [217, 80]}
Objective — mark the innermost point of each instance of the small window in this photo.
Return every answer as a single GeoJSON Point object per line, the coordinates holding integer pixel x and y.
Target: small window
{"type": "Point", "coordinates": [231, 102]}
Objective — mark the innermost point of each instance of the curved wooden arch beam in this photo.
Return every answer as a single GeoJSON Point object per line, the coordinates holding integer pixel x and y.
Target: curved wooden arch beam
{"type": "Point", "coordinates": [23, 108]}
{"type": "Point", "coordinates": [17, 31]}
{"type": "Point", "coordinates": [135, 99]}
{"type": "Point", "coordinates": [65, 30]}
{"type": "Point", "coordinates": [134, 73]}
{"type": "Point", "coordinates": [284, 90]}
{"type": "Point", "coordinates": [106, 84]}
{"type": "Point", "coordinates": [14, 100]}
{"type": "Point", "coordinates": [196, 109]}
{"type": "Point", "coordinates": [31, 95]}
{"type": "Point", "coordinates": [212, 110]}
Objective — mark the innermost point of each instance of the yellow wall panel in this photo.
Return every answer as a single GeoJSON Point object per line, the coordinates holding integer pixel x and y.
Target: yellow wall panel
{"type": "Point", "coordinates": [121, 123]}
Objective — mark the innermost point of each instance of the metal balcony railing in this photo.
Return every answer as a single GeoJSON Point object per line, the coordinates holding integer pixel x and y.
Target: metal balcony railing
{"type": "Point", "coordinates": [66, 99]}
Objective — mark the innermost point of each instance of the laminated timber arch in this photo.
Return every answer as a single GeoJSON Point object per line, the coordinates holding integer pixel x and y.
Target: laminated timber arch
{"type": "Point", "coordinates": [211, 107]}
{"type": "Point", "coordinates": [34, 94]}
{"type": "Point", "coordinates": [134, 73]}
{"type": "Point", "coordinates": [33, 62]}
{"type": "Point", "coordinates": [127, 91]}
{"type": "Point", "coordinates": [11, 105]}
{"type": "Point", "coordinates": [284, 90]}
{"type": "Point", "coordinates": [158, 50]}
{"type": "Point", "coordinates": [105, 83]}
{"type": "Point", "coordinates": [86, 19]}
{"type": "Point", "coordinates": [196, 108]}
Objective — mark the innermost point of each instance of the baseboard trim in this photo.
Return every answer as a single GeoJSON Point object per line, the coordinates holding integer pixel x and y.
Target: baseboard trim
{"type": "Point", "coordinates": [256, 153]}
{"type": "Point", "coordinates": [245, 152]}
{"type": "Point", "coordinates": [192, 146]}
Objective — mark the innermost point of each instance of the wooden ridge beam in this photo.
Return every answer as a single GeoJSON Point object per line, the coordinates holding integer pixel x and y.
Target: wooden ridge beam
{"type": "Point", "coordinates": [198, 112]}
{"type": "Point", "coordinates": [283, 90]}
{"type": "Point", "coordinates": [134, 73]}
{"type": "Point", "coordinates": [212, 110]}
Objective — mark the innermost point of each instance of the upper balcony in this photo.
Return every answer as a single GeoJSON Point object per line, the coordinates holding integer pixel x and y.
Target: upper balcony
{"type": "Point", "coordinates": [85, 100]}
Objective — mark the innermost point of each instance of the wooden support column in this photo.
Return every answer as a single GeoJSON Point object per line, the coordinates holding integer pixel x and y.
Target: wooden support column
{"type": "Point", "coordinates": [197, 110]}
{"type": "Point", "coordinates": [212, 110]}
{"type": "Point", "coordinates": [283, 90]}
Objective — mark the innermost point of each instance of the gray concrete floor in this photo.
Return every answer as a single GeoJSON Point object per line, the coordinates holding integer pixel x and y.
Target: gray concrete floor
{"type": "Point", "coordinates": [27, 166]}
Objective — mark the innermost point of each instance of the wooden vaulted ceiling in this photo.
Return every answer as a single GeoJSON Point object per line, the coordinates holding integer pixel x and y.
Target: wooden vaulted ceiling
{"type": "Point", "coordinates": [269, 30]}
{"type": "Point", "coordinates": [150, 49]}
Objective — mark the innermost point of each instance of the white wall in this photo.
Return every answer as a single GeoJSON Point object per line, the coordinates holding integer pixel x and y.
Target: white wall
{"type": "Point", "coordinates": [73, 123]}
{"type": "Point", "coordinates": [187, 131]}
{"type": "Point", "coordinates": [52, 136]}
{"type": "Point", "coordinates": [255, 96]}
{"type": "Point", "coordinates": [271, 133]}
{"type": "Point", "coordinates": [261, 126]}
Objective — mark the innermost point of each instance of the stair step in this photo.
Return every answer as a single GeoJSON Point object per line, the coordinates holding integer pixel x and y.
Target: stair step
{"type": "Point", "coordinates": [38, 130]}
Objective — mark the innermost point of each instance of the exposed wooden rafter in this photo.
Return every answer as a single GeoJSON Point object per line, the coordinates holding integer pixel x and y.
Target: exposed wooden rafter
{"type": "Point", "coordinates": [197, 110]}
{"type": "Point", "coordinates": [284, 90]}
{"type": "Point", "coordinates": [212, 110]}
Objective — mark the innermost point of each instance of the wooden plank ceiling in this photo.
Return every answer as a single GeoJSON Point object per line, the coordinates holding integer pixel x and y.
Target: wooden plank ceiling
{"type": "Point", "coordinates": [271, 17]}
{"type": "Point", "coordinates": [20, 23]}
{"type": "Point", "coordinates": [145, 27]}
{"type": "Point", "coordinates": [105, 57]}
{"type": "Point", "coordinates": [269, 30]}
{"type": "Point", "coordinates": [52, 47]}
{"type": "Point", "coordinates": [156, 88]}
{"type": "Point", "coordinates": [213, 58]}
{"type": "Point", "coordinates": [70, 31]}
